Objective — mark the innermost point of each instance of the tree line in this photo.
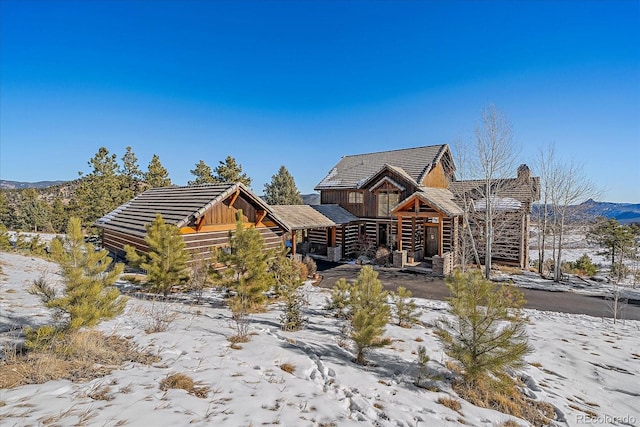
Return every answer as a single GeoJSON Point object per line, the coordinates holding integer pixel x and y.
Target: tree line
{"type": "Point", "coordinates": [113, 181]}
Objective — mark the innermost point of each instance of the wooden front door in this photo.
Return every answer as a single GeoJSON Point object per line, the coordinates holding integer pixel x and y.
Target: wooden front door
{"type": "Point", "coordinates": [432, 241]}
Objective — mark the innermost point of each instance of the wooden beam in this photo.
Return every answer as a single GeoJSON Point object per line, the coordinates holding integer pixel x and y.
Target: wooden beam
{"type": "Point", "coordinates": [234, 197]}
{"type": "Point", "coordinates": [399, 232]}
{"type": "Point", "coordinates": [200, 224]}
{"type": "Point", "coordinates": [441, 232]}
{"type": "Point", "coordinates": [260, 214]}
{"type": "Point", "coordinates": [294, 239]}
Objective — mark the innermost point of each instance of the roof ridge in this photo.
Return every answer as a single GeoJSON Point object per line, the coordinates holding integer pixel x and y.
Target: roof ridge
{"type": "Point", "coordinates": [393, 151]}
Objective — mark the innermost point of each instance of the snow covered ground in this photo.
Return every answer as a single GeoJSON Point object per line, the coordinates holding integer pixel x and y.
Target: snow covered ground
{"type": "Point", "coordinates": [582, 365]}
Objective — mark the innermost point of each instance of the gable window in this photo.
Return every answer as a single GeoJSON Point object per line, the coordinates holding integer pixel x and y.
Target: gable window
{"type": "Point", "coordinates": [387, 200]}
{"type": "Point", "coordinates": [355, 197]}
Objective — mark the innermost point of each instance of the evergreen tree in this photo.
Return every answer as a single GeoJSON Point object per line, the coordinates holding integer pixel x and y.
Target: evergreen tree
{"type": "Point", "coordinates": [617, 241]}
{"type": "Point", "coordinates": [59, 216]}
{"type": "Point", "coordinates": [5, 244]}
{"type": "Point", "coordinates": [33, 214]}
{"type": "Point", "coordinates": [203, 174]}
{"type": "Point", "coordinates": [487, 335]}
{"type": "Point", "coordinates": [282, 190]}
{"type": "Point", "coordinates": [101, 191]}
{"type": "Point", "coordinates": [406, 310]}
{"type": "Point", "coordinates": [166, 262]}
{"type": "Point", "coordinates": [156, 175]}
{"type": "Point", "coordinates": [230, 172]}
{"type": "Point", "coordinates": [288, 284]}
{"type": "Point", "coordinates": [89, 296]}
{"type": "Point", "coordinates": [247, 273]}
{"type": "Point", "coordinates": [6, 212]}
{"type": "Point", "coordinates": [131, 173]}
{"type": "Point", "coordinates": [371, 313]}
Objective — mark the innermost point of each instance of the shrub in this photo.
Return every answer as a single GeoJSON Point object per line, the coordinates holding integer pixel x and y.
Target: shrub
{"type": "Point", "coordinates": [312, 268]}
{"type": "Point", "coordinates": [382, 256]}
{"type": "Point", "coordinates": [184, 382]}
{"type": "Point", "coordinates": [582, 266]}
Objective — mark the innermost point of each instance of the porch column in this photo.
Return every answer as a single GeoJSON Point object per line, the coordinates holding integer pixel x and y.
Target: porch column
{"type": "Point", "coordinates": [294, 239]}
{"type": "Point", "coordinates": [399, 232]}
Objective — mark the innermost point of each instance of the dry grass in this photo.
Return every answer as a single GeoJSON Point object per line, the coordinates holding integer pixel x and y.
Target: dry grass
{"type": "Point", "coordinates": [509, 270]}
{"type": "Point", "coordinates": [505, 398]}
{"type": "Point", "coordinates": [184, 382]}
{"type": "Point", "coordinates": [79, 356]}
{"type": "Point", "coordinates": [288, 367]}
{"type": "Point", "coordinates": [509, 423]}
{"type": "Point", "coordinates": [452, 404]}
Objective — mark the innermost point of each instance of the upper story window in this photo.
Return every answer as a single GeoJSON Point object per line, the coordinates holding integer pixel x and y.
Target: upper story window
{"type": "Point", "coordinates": [387, 200]}
{"type": "Point", "coordinates": [355, 197]}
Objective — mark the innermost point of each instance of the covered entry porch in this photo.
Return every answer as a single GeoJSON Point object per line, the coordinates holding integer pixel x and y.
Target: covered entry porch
{"type": "Point", "coordinates": [427, 223]}
{"type": "Point", "coordinates": [322, 231]}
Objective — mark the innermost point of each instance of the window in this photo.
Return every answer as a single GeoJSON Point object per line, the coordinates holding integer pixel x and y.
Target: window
{"type": "Point", "coordinates": [386, 202]}
{"type": "Point", "coordinates": [355, 197]}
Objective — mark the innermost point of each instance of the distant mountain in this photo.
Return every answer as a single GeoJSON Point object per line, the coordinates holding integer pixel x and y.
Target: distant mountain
{"type": "Point", "coordinates": [311, 199]}
{"type": "Point", "coordinates": [13, 185]}
{"type": "Point", "coordinates": [624, 213]}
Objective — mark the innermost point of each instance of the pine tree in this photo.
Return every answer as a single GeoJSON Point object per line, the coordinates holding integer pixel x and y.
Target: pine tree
{"type": "Point", "coordinates": [406, 310]}
{"type": "Point", "coordinates": [101, 191]}
{"type": "Point", "coordinates": [288, 281]}
{"type": "Point", "coordinates": [156, 175]}
{"type": "Point", "coordinates": [33, 214]}
{"type": "Point", "coordinates": [230, 172]}
{"type": "Point", "coordinates": [487, 335]}
{"type": "Point", "coordinates": [371, 313]}
{"type": "Point", "coordinates": [131, 173]}
{"type": "Point", "coordinates": [282, 189]}
{"type": "Point", "coordinates": [59, 216]}
{"type": "Point", "coordinates": [6, 212]}
{"type": "Point", "coordinates": [166, 262]}
{"type": "Point", "coordinates": [247, 273]}
{"type": "Point", "coordinates": [203, 174]}
{"type": "Point", "coordinates": [89, 296]}
{"type": "Point", "coordinates": [617, 241]}
{"type": "Point", "coordinates": [5, 244]}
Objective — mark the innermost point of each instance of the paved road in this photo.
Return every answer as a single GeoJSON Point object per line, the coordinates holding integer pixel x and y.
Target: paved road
{"type": "Point", "coordinates": [434, 288]}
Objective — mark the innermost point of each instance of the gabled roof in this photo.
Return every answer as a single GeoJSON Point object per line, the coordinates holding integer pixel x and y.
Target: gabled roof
{"type": "Point", "coordinates": [438, 198]}
{"type": "Point", "coordinates": [300, 217]}
{"type": "Point", "coordinates": [177, 205]}
{"type": "Point", "coordinates": [354, 171]}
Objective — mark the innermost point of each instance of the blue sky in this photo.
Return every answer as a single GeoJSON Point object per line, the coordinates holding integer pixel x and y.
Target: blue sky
{"type": "Point", "coordinates": [301, 84]}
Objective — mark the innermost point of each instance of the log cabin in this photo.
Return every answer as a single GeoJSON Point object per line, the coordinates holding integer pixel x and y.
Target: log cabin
{"type": "Point", "coordinates": [409, 201]}
{"type": "Point", "coordinates": [204, 214]}
{"type": "Point", "coordinates": [206, 217]}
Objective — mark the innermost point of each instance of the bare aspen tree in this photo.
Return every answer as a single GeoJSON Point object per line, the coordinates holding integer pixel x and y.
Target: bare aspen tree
{"type": "Point", "coordinates": [496, 161]}
{"type": "Point", "coordinates": [467, 249]}
{"type": "Point", "coordinates": [567, 186]}
{"type": "Point", "coordinates": [543, 162]}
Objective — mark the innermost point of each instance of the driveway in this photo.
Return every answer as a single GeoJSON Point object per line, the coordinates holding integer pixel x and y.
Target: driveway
{"type": "Point", "coordinates": [423, 286]}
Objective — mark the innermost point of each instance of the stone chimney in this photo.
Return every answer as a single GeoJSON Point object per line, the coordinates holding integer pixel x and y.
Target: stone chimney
{"type": "Point", "coordinates": [524, 173]}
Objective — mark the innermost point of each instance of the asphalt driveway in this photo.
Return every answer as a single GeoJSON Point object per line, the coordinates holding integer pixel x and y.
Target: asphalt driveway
{"type": "Point", "coordinates": [423, 286]}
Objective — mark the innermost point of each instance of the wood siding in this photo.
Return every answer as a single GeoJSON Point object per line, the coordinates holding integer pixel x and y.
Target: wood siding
{"type": "Point", "coordinates": [369, 207]}
{"type": "Point", "coordinates": [436, 177]}
{"type": "Point", "coordinates": [198, 244]}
